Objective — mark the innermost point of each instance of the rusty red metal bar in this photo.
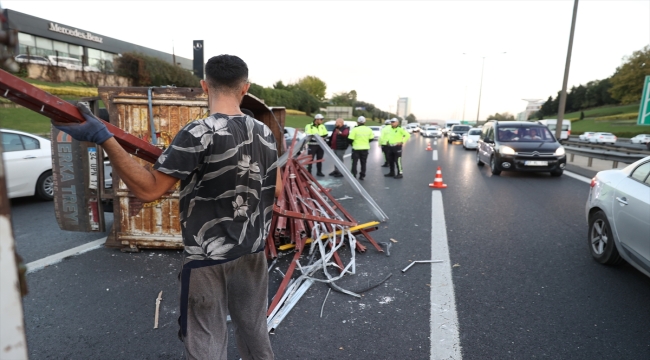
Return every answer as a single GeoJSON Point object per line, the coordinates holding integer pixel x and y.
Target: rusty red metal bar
{"type": "Point", "coordinates": [35, 99]}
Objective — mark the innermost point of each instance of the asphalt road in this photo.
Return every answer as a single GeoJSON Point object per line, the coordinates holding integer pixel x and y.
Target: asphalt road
{"type": "Point", "coordinates": [525, 285]}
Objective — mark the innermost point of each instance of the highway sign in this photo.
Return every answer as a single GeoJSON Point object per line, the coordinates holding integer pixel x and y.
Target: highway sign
{"type": "Point", "coordinates": [644, 107]}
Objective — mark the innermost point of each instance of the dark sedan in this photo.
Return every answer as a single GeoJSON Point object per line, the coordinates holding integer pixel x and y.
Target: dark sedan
{"type": "Point", "coordinates": [456, 133]}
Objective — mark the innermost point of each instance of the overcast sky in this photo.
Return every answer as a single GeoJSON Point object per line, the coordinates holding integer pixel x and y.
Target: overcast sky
{"type": "Point", "coordinates": [386, 49]}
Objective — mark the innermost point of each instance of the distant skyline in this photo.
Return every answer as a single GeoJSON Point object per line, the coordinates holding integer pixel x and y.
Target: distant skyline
{"type": "Point", "coordinates": [386, 49]}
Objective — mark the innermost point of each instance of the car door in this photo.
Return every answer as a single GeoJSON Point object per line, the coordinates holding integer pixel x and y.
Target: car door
{"type": "Point", "coordinates": [25, 160]}
{"type": "Point", "coordinates": [631, 212]}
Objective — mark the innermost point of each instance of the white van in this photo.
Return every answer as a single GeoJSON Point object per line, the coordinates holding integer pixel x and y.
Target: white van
{"type": "Point", "coordinates": [566, 127]}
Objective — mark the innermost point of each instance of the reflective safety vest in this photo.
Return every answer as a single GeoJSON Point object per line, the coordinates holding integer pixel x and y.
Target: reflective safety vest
{"type": "Point", "coordinates": [361, 136]}
{"type": "Point", "coordinates": [383, 134]}
{"type": "Point", "coordinates": [311, 129]}
{"type": "Point", "coordinates": [396, 135]}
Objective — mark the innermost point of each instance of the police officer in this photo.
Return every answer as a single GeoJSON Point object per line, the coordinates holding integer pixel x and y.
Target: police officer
{"type": "Point", "coordinates": [317, 129]}
{"type": "Point", "coordinates": [360, 136]}
{"type": "Point", "coordinates": [382, 141]}
{"type": "Point", "coordinates": [396, 136]}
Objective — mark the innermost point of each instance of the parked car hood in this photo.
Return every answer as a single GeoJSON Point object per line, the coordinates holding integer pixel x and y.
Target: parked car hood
{"type": "Point", "coordinates": [530, 146]}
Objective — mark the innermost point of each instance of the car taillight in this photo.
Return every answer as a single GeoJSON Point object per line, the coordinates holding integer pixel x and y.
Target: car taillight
{"type": "Point", "coordinates": [568, 132]}
{"type": "Point", "coordinates": [593, 182]}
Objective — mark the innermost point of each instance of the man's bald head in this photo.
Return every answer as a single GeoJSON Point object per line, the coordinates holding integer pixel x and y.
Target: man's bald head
{"type": "Point", "coordinates": [339, 122]}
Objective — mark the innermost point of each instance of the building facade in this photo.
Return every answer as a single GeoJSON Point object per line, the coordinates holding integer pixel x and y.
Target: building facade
{"type": "Point", "coordinates": [532, 107]}
{"type": "Point", "coordinates": [403, 107]}
{"type": "Point", "coordinates": [48, 38]}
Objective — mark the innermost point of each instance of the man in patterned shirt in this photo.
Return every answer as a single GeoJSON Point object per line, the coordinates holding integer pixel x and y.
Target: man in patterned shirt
{"type": "Point", "coordinates": [227, 166]}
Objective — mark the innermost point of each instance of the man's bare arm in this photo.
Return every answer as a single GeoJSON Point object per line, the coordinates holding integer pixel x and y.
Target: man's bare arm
{"type": "Point", "coordinates": [146, 185]}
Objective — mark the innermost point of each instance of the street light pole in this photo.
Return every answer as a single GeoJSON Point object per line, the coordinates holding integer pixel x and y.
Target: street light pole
{"type": "Point", "coordinates": [560, 113]}
{"type": "Point", "coordinates": [480, 90]}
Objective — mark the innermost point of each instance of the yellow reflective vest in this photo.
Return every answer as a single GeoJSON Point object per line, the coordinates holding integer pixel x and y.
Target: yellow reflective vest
{"type": "Point", "coordinates": [361, 136]}
{"type": "Point", "coordinates": [383, 135]}
{"type": "Point", "coordinates": [396, 135]}
{"type": "Point", "coordinates": [311, 129]}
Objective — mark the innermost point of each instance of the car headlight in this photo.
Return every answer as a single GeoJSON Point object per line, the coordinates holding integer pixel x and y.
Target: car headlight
{"type": "Point", "coordinates": [560, 151]}
{"type": "Point", "coordinates": [507, 150]}
{"type": "Point", "coordinates": [453, 134]}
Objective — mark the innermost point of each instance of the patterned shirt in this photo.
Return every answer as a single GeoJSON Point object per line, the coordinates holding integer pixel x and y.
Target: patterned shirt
{"type": "Point", "coordinates": [227, 166]}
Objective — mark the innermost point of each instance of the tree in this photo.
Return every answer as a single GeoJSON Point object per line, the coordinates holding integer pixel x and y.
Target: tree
{"type": "Point", "coordinates": [410, 118]}
{"type": "Point", "coordinates": [313, 86]}
{"type": "Point", "coordinates": [627, 81]}
{"type": "Point", "coordinates": [506, 116]}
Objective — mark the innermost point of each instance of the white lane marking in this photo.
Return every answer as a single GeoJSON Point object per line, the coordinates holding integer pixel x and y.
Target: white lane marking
{"type": "Point", "coordinates": [445, 341]}
{"type": "Point", "coordinates": [578, 177]}
{"type": "Point", "coordinates": [435, 155]}
{"type": "Point", "coordinates": [435, 142]}
{"type": "Point", "coordinates": [56, 258]}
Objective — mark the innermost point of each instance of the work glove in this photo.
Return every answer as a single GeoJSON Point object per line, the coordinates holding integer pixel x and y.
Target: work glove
{"type": "Point", "coordinates": [93, 130]}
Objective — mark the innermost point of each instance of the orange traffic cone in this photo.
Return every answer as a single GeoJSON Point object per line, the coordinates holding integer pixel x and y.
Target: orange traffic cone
{"type": "Point", "coordinates": [429, 146]}
{"type": "Point", "coordinates": [437, 182]}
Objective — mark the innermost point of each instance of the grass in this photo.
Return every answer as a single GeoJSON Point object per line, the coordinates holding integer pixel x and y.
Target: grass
{"type": "Point", "coordinates": [23, 119]}
{"type": "Point", "coordinates": [600, 111]}
{"type": "Point", "coordinates": [624, 129]}
{"type": "Point", "coordinates": [299, 121]}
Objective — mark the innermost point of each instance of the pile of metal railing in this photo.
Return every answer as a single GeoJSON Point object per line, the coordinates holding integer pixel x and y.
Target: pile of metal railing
{"type": "Point", "coordinates": [308, 220]}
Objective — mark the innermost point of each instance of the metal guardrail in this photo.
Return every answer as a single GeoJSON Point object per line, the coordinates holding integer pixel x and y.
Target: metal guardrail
{"type": "Point", "coordinates": [622, 149]}
{"type": "Point", "coordinates": [611, 153]}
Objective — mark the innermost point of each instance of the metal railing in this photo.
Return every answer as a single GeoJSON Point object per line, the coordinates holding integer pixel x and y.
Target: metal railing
{"type": "Point", "coordinates": [604, 152]}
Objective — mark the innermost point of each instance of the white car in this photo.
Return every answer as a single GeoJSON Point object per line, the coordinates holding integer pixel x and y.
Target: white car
{"type": "Point", "coordinates": [618, 214]}
{"type": "Point", "coordinates": [603, 138]}
{"type": "Point", "coordinates": [432, 131]}
{"type": "Point", "coordinates": [640, 139]}
{"type": "Point", "coordinates": [33, 59]}
{"type": "Point", "coordinates": [412, 127]}
{"type": "Point", "coordinates": [586, 135]}
{"type": "Point", "coordinates": [376, 130]}
{"type": "Point", "coordinates": [470, 140]}
{"type": "Point", "coordinates": [28, 164]}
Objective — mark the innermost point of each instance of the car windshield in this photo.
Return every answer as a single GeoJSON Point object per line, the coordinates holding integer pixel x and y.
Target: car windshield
{"type": "Point", "coordinates": [330, 127]}
{"type": "Point", "coordinates": [474, 132]}
{"type": "Point", "coordinates": [432, 128]}
{"type": "Point", "coordinates": [524, 133]}
{"type": "Point", "coordinates": [375, 127]}
{"type": "Point", "coordinates": [460, 128]}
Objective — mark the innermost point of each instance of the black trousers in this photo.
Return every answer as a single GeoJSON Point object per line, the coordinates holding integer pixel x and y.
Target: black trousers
{"type": "Point", "coordinates": [318, 152]}
{"type": "Point", "coordinates": [394, 154]}
{"type": "Point", "coordinates": [359, 156]}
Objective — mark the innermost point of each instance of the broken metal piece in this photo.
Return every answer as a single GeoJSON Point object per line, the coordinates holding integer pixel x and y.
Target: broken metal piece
{"type": "Point", "coordinates": [158, 300]}
{"type": "Point", "coordinates": [420, 262]}
{"type": "Point", "coordinates": [388, 245]}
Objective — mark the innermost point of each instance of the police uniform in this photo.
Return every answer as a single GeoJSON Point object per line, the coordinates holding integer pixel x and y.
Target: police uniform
{"type": "Point", "coordinates": [395, 138]}
{"type": "Point", "coordinates": [314, 149]}
{"type": "Point", "coordinates": [360, 136]}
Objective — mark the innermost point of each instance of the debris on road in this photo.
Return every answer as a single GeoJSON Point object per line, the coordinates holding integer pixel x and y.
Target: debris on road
{"type": "Point", "coordinates": [393, 240]}
{"type": "Point", "coordinates": [158, 300]}
{"type": "Point", "coordinates": [420, 262]}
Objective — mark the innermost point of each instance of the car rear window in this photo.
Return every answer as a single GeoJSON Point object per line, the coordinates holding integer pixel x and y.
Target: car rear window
{"type": "Point", "coordinates": [641, 172]}
{"type": "Point", "coordinates": [460, 128]}
{"type": "Point", "coordinates": [516, 133]}
{"type": "Point", "coordinates": [475, 132]}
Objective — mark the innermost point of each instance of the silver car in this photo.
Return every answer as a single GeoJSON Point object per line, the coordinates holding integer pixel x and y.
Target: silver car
{"type": "Point", "coordinates": [618, 213]}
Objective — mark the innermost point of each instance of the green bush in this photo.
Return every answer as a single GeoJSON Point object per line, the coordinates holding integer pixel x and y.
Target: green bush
{"type": "Point", "coordinates": [150, 71]}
